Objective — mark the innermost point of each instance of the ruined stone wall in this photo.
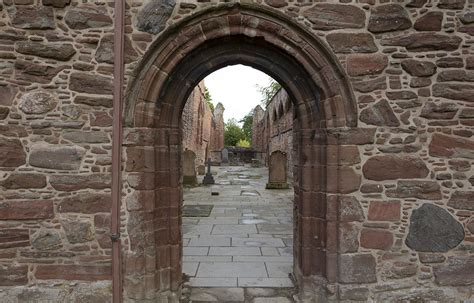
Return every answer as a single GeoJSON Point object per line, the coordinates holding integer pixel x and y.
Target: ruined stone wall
{"type": "Point", "coordinates": [410, 188]}
{"type": "Point", "coordinates": [273, 128]}
{"type": "Point", "coordinates": [198, 125]}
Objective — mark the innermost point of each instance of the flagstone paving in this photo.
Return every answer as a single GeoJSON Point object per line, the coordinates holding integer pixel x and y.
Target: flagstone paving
{"type": "Point", "coordinates": [244, 247]}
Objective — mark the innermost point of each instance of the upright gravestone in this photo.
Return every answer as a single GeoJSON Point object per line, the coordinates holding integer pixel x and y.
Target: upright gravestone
{"type": "Point", "coordinates": [277, 171]}
{"type": "Point", "coordinates": [189, 168]}
{"type": "Point", "coordinates": [208, 178]}
{"type": "Point", "coordinates": [225, 156]}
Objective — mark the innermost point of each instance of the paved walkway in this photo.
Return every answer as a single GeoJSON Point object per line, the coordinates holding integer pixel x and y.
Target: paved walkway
{"type": "Point", "coordinates": [245, 242]}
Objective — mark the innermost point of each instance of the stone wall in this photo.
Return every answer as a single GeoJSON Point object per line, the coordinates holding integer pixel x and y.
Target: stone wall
{"type": "Point", "coordinates": [272, 129]}
{"type": "Point", "coordinates": [408, 164]}
{"type": "Point", "coordinates": [202, 131]}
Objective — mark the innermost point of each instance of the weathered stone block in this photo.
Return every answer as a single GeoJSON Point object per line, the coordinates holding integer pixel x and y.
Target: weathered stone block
{"type": "Point", "coordinates": [384, 211]}
{"type": "Point", "coordinates": [32, 72]}
{"type": "Point", "coordinates": [86, 203]}
{"type": "Point", "coordinates": [14, 237]}
{"type": "Point", "coordinates": [31, 17]}
{"type": "Point", "coordinates": [376, 239]}
{"type": "Point", "coordinates": [458, 271]}
{"type": "Point", "coordinates": [61, 52]}
{"type": "Point", "coordinates": [13, 275]}
{"type": "Point", "coordinates": [428, 190]}
{"type": "Point", "coordinates": [11, 153]}
{"type": "Point", "coordinates": [46, 239]}
{"type": "Point", "coordinates": [105, 51]}
{"type": "Point", "coordinates": [348, 238]}
{"type": "Point", "coordinates": [327, 16]}
{"type": "Point", "coordinates": [93, 101]}
{"type": "Point", "coordinates": [451, 4]}
{"type": "Point", "coordinates": [90, 84]}
{"type": "Point", "coordinates": [425, 42]}
{"type": "Point", "coordinates": [387, 18]}
{"type": "Point", "coordinates": [454, 91]}
{"type": "Point", "coordinates": [7, 94]}
{"type": "Point", "coordinates": [419, 68]}
{"type": "Point", "coordinates": [358, 268]}
{"type": "Point", "coordinates": [26, 210]}
{"type": "Point", "coordinates": [361, 65]}
{"type": "Point", "coordinates": [77, 230]}
{"type": "Point", "coordinates": [77, 182]}
{"type": "Point", "coordinates": [444, 146]}
{"type": "Point", "coordinates": [433, 229]}
{"type": "Point", "coordinates": [152, 18]}
{"type": "Point", "coordinates": [431, 21]}
{"type": "Point", "coordinates": [87, 137]}
{"type": "Point", "coordinates": [74, 272]}
{"type": "Point", "coordinates": [462, 200]}
{"type": "Point", "coordinates": [37, 102]}
{"type": "Point", "coordinates": [56, 157]}
{"type": "Point", "coordinates": [85, 17]}
{"type": "Point", "coordinates": [443, 111]}
{"type": "Point", "coordinates": [348, 43]}
{"type": "Point", "coordinates": [367, 86]}
{"type": "Point", "coordinates": [380, 114]}
{"type": "Point", "coordinates": [57, 3]}
{"type": "Point", "coordinates": [392, 167]}
{"type": "Point", "coordinates": [24, 180]}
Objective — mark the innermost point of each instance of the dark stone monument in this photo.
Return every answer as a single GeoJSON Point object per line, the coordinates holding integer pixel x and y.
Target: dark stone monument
{"type": "Point", "coordinates": [208, 178]}
{"type": "Point", "coordinates": [277, 169]}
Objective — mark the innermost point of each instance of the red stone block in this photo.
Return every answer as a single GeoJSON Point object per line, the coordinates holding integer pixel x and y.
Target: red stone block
{"type": "Point", "coordinates": [384, 211]}
{"type": "Point", "coordinates": [73, 272]}
{"type": "Point", "coordinates": [13, 275]}
{"type": "Point", "coordinates": [26, 210]}
{"type": "Point", "coordinates": [376, 239]}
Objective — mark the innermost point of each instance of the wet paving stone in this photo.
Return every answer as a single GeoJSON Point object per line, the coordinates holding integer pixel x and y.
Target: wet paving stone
{"type": "Point", "coordinates": [197, 210]}
{"type": "Point", "coordinates": [244, 243]}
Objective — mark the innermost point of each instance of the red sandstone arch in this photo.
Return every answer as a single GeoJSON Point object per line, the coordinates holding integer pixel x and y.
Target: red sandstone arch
{"type": "Point", "coordinates": [182, 56]}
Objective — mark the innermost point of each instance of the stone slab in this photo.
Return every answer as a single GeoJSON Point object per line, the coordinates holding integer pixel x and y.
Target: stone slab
{"type": "Point", "coordinates": [265, 282]}
{"type": "Point", "coordinates": [232, 270]}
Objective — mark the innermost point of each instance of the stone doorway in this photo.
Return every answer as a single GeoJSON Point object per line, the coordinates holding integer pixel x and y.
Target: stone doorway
{"type": "Point", "coordinates": [324, 130]}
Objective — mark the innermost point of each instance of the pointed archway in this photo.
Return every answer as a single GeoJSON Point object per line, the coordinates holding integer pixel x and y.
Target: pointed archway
{"type": "Point", "coordinates": [324, 109]}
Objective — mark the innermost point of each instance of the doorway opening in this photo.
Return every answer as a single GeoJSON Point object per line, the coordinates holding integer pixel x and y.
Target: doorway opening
{"type": "Point", "coordinates": [325, 118]}
{"type": "Point", "coordinates": [238, 231]}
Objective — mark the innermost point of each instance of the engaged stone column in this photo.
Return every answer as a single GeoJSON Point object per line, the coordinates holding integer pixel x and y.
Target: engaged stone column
{"type": "Point", "coordinates": [189, 168]}
{"type": "Point", "coordinates": [277, 169]}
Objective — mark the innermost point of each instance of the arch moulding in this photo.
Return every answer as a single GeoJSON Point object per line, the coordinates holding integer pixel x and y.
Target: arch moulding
{"type": "Point", "coordinates": [180, 57]}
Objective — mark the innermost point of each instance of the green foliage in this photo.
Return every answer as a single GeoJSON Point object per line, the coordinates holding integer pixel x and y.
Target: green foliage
{"type": "Point", "coordinates": [233, 133]}
{"type": "Point", "coordinates": [208, 98]}
{"type": "Point", "coordinates": [247, 126]}
{"type": "Point", "coordinates": [267, 92]}
{"type": "Point", "coordinates": [243, 143]}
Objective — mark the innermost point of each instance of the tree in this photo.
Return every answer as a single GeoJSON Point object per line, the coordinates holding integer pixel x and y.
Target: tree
{"type": "Point", "coordinates": [267, 92]}
{"type": "Point", "coordinates": [232, 133]}
{"type": "Point", "coordinates": [243, 143]}
{"type": "Point", "coordinates": [247, 126]}
{"type": "Point", "coordinates": [208, 98]}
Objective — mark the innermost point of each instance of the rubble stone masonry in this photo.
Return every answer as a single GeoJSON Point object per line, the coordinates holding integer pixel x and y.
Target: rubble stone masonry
{"type": "Point", "coordinates": [384, 184]}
